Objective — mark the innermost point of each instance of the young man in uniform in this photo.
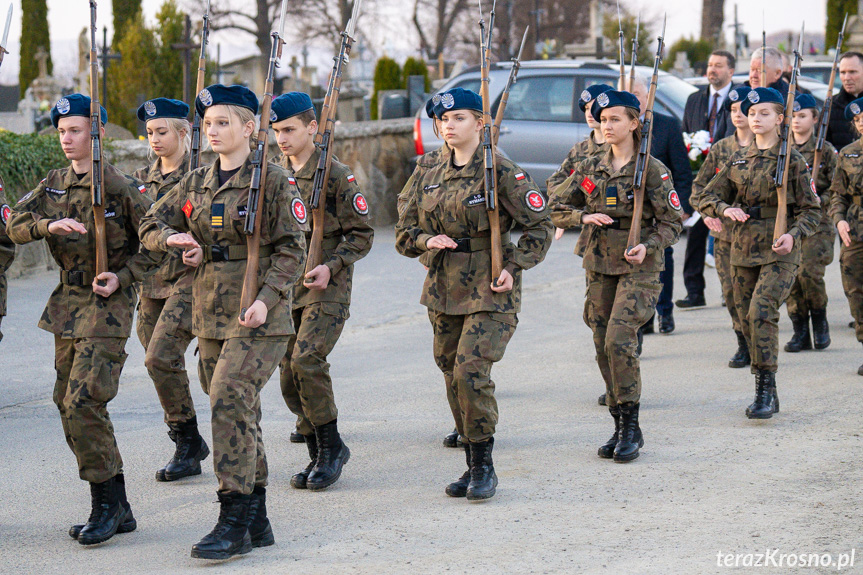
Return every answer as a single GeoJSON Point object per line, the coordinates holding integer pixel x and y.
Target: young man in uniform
{"type": "Point", "coordinates": [321, 304]}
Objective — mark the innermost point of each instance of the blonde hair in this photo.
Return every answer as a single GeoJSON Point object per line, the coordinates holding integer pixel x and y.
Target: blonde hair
{"type": "Point", "coordinates": [175, 126]}
{"type": "Point", "coordinates": [634, 114]}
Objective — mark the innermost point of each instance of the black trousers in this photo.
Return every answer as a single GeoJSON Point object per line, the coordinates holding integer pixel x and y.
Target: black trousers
{"type": "Point", "coordinates": [693, 260]}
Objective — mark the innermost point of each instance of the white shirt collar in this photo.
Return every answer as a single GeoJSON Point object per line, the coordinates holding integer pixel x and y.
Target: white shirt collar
{"type": "Point", "coordinates": [723, 92]}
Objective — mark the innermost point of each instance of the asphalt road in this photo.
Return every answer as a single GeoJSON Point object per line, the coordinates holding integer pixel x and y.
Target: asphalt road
{"type": "Point", "coordinates": [709, 481]}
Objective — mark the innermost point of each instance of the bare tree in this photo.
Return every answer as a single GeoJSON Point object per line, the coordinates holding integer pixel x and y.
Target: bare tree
{"type": "Point", "coordinates": [442, 15]}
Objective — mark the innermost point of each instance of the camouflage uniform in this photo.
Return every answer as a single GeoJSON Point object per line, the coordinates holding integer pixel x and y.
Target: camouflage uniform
{"type": "Point", "coordinates": [846, 203]}
{"type": "Point", "coordinates": [235, 361]}
{"type": "Point", "coordinates": [586, 148]}
{"type": "Point", "coordinates": [762, 278]}
{"type": "Point", "coordinates": [320, 315]}
{"type": "Point", "coordinates": [718, 157]}
{"type": "Point", "coordinates": [620, 296]}
{"type": "Point", "coordinates": [7, 251]}
{"type": "Point", "coordinates": [90, 331]}
{"type": "Point", "coordinates": [809, 291]}
{"type": "Point", "coordinates": [165, 313]}
{"type": "Point", "coordinates": [472, 325]}
{"type": "Point", "coordinates": [424, 163]}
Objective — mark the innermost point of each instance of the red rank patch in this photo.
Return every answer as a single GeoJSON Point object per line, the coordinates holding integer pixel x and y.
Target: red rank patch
{"type": "Point", "coordinates": [5, 212]}
{"type": "Point", "coordinates": [717, 170]}
{"type": "Point", "coordinates": [360, 204]}
{"type": "Point", "coordinates": [588, 185]}
{"type": "Point", "coordinates": [298, 208]}
{"type": "Point", "coordinates": [519, 176]}
{"type": "Point", "coordinates": [535, 201]}
{"type": "Point", "coordinates": [674, 200]}
{"type": "Point", "coordinates": [188, 209]}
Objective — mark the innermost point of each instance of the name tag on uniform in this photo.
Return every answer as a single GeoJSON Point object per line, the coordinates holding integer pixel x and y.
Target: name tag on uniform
{"type": "Point", "coordinates": [474, 200]}
{"type": "Point", "coordinates": [611, 197]}
{"type": "Point", "coordinates": [738, 162]}
{"type": "Point", "coordinates": [110, 214]}
{"type": "Point", "coordinates": [55, 191]}
{"type": "Point", "coordinates": [431, 187]}
{"type": "Point", "coordinates": [241, 211]}
{"type": "Point", "coordinates": [217, 216]}
{"type": "Point", "coordinates": [852, 155]}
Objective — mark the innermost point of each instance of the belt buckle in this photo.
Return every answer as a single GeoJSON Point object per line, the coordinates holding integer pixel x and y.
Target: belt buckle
{"type": "Point", "coordinates": [755, 212]}
{"type": "Point", "coordinates": [217, 254]}
{"type": "Point", "coordinates": [76, 278]}
{"type": "Point", "coordinates": [463, 245]}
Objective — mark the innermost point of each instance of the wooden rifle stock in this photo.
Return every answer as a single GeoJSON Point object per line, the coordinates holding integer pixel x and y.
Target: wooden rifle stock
{"type": "Point", "coordinates": [97, 167]}
{"type": "Point", "coordinates": [195, 148]}
{"type": "Point", "coordinates": [781, 225]}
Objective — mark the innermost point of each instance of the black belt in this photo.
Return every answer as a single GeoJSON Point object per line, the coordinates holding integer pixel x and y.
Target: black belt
{"type": "Point", "coordinates": [765, 213]}
{"type": "Point", "coordinates": [475, 244]}
{"type": "Point", "coordinates": [219, 253]}
{"type": "Point", "coordinates": [76, 278]}
{"type": "Point", "coordinates": [626, 223]}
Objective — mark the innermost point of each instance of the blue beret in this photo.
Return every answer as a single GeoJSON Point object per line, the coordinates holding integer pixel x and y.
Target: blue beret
{"type": "Point", "coordinates": [432, 106]}
{"type": "Point", "coordinates": [761, 96]}
{"type": "Point", "coordinates": [229, 95]}
{"type": "Point", "coordinates": [289, 105]}
{"type": "Point", "coordinates": [854, 108]}
{"type": "Point", "coordinates": [74, 105]}
{"type": "Point", "coordinates": [458, 99]}
{"type": "Point", "coordinates": [163, 108]}
{"type": "Point", "coordinates": [804, 101]}
{"type": "Point", "coordinates": [613, 99]}
{"type": "Point", "coordinates": [736, 95]}
{"type": "Point", "coordinates": [590, 93]}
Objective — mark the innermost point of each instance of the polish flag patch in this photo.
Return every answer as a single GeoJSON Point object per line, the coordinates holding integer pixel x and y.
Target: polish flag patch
{"type": "Point", "coordinates": [519, 176]}
{"type": "Point", "coordinates": [351, 178]}
{"type": "Point", "coordinates": [142, 189]}
{"type": "Point", "coordinates": [292, 180]}
{"type": "Point", "coordinates": [188, 208]}
{"type": "Point", "coordinates": [298, 208]}
{"type": "Point", "coordinates": [664, 176]}
{"type": "Point", "coordinates": [587, 185]}
{"type": "Point", "coordinates": [534, 200]}
{"type": "Point", "coordinates": [360, 204]}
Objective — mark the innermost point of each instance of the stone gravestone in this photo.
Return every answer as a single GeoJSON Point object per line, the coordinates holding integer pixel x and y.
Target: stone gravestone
{"type": "Point", "coordinates": [682, 69]}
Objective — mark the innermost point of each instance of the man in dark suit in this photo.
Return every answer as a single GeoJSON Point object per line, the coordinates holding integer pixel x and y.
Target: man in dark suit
{"type": "Point", "coordinates": [667, 147]}
{"type": "Point", "coordinates": [705, 111]}
{"type": "Point", "coordinates": [839, 132]}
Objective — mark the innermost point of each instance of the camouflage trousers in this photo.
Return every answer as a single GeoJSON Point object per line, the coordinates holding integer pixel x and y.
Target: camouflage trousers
{"type": "Point", "coordinates": [851, 264]}
{"type": "Point", "coordinates": [809, 291]}
{"type": "Point", "coordinates": [465, 347]}
{"type": "Point", "coordinates": [758, 293]}
{"type": "Point", "coordinates": [722, 255]}
{"type": "Point", "coordinates": [88, 375]}
{"type": "Point", "coordinates": [165, 330]}
{"type": "Point", "coordinates": [233, 372]}
{"type": "Point", "coordinates": [615, 306]}
{"type": "Point", "coordinates": [305, 373]}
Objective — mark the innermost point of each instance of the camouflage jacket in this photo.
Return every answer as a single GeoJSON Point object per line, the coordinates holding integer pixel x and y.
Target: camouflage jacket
{"type": "Point", "coordinates": [846, 191]}
{"type": "Point", "coordinates": [446, 200]}
{"type": "Point", "coordinates": [347, 234]}
{"type": "Point", "coordinates": [424, 163]}
{"type": "Point", "coordinates": [747, 181]}
{"type": "Point", "coordinates": [718, 156]}
{"type": "Point", "coordinates": [173, 274]}
{"type": "Point", "coordinates": [215, 216]}
{"type": "Point", "coordinates": [581, 151]}
{"type": "Point", "coordinates": [75, 311]}
{"type": "Point", "coordinates": [829, 159]}
{"type": "Point", "coordinates": [595, 187]}
{"type": "Point", "coordinates": [7, 247]}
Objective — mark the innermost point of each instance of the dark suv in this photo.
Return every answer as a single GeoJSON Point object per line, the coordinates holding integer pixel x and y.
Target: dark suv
{"type": "Point", "coordinates": [542, 119]}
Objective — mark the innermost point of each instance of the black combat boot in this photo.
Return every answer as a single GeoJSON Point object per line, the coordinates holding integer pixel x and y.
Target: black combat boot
{"type": "Point", "coordinates": [601, 399]}
{"type": "Point", "coordinates": [766, 399]}
{"type": "Point", "coordinates": [160, 474]}
{"type": "Point", "coordinates": [860, 370]}
{"type": "Point", "coordinates": [452, 439]}
{"type": "Point", "coordinates": [483, 479]}
{"type": "Point", "coordinates": [230, 536]}
{"type": "Point", "coordinates": [190, 452]}
{"type": "Point", "coordinates": [298, 480]}
{"type": "Point", "coordinates": [297, 437]}
{"type": "Point", "coordinates": [630, 439]}
{"type": "Point", "coordinates": [332, 455]}
{"type": "Point", "coordinates": [260, 530]}
{"type": "Point", "coordinates": [458, 488]}
{"type": "Point", "coordinates": [820, 329]}
{"type": "Point", "coordinates": [128, 525]}
{"type": "Point", "coordinates": [802, 339]}
{"type": "Point", "coordinates": [647, 328]}
{"type": "Point", "coordinates": [741, 357]}
{"type": "Point", "coordinates": [106, 514]}
{"type": "Point", "coordinates": [606, 450]}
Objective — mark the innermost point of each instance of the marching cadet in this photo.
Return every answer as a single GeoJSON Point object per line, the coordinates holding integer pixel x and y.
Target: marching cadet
{"type": "Point", "coordinates": [322, 298]}
{"type": "Point", "coordinates": [846, 209]}
{"type": "Point", "coordinates": [204, 215]}
{"type": "Point", "coordinates": [90, 315]}
{"type": "Point", "coordinates": [622, 286]}
{"type": "Point", "coordinates": [472, 318]}
{"type": "Point", "coordinates": [165, 310]}
{"type": "Point", "coordinates": [809, 293]}
{"type": "Point", "coordinates": [720, 228]}
{"type": "Point", "coordinates": [7, 250]}
{"type": "Point", "coordinates": [762, 271]}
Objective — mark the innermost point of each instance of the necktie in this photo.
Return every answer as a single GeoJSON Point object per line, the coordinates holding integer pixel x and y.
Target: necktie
{"type": "Point", "coordinates": [711, 120]}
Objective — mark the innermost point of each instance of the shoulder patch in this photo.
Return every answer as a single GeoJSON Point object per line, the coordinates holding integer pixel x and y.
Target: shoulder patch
{"type": "Point", "coordinates": [298, 209]}
{"type": "Point", "coordinates": [588, 185]}
{"type": "Point", "coordinates": [664, 176]}
{"type": "Point", "coordinates": [142, 188]}
{"type": "Point", "coordinates": [674, 200]}
{"type": "Point", "coordinates": [188, 208]}
{"type": "Point", "coordinates": [26, 197]}
{"type": "Point", "coordinates": [292, 180]}
{"type": "Point", "coordinates": [519, 176]}
{"type": "Point", "coordinates": [534, 200]}
{"type": "Point", "coordinates": [351, 178]}
{"type": "Point", "coordinates": [5, 212]}
{"type": "Point", "coordinates": [360, 204]}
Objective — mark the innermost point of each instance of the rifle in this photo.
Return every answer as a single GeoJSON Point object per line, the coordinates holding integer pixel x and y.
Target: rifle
{"type": "Point", "coordinates": [195, 151]}
{"type": "Point", "coordinates": [97, 167]}
{"type": "Point", "coordinates": [782, 165]}
{"type": "Point", "coordinates": [828, 103]}
{"type": "Point", "coordinates": [324, 142]}
{"type": "Point", "coordinates": [3, 49]}
{"type": "Point", "coordinates": [641, 163]}
{"type": "Point", "coordinates": [621, 50]}
{"type": "Point", "coordinates": [257, 188]}
{"type": "Point", "coordinates": [504, 98]}
{"type": "Point", "coordinates": [763, 53]}
{"type": "Point", "coordinates": [489, 150]}
{"type": "Point", "coordinates": [634, 53]}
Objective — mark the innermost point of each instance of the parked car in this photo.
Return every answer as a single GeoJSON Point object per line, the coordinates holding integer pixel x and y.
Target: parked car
{"type": "Point", "coordinates": [542, 119]}
{"type": "Point", "coordinates": [817, 88]}
{"type": "Point", "coordinates": [821, 72]}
